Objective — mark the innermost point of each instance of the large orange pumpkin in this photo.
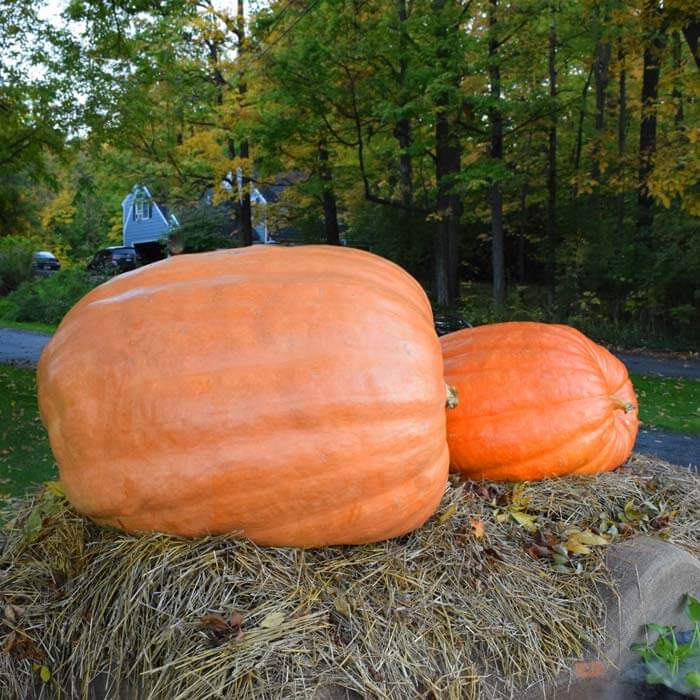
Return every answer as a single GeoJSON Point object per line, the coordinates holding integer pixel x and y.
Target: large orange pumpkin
{"type": "Point", "coordinates": [293, 394]}
{"type": "Point", "coordinates": [535, 401]}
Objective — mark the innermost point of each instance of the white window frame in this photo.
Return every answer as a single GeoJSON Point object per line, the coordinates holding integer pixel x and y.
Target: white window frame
{"type": "Point", "coordinates": [142, 210]}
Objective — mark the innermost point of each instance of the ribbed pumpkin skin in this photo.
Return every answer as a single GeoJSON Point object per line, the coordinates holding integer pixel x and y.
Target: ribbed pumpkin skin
{"type": "Point", "coordinates": [294, 394]}
{"type": "Point", "coordinates": [535, 401]}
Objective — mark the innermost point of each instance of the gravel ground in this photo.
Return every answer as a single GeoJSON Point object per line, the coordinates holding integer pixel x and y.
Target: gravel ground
{"type": "Point", "coordinates": [24, 347]}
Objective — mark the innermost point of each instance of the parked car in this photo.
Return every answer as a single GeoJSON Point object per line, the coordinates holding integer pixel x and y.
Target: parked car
{"type": "Point", "coordinates": [114, 260]}
{"type": "Point", "coordinates": [44, 263]}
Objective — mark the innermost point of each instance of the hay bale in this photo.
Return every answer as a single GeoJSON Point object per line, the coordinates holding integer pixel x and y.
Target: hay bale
{"type": "Point", "coordinates": [479, 602]}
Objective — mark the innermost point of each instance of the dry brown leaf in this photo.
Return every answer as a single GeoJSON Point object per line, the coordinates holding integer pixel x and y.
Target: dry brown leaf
{"type": "Point", "coordinates": [213, 621]}
{"type": "Point", "coordinates": [9, 642]}
{"type": "Point", "coordinates": [536, 551]}
{"type": "Point", "coordinates": [10, 613]}
{"type": "Point", "coordinates": [478, 526]}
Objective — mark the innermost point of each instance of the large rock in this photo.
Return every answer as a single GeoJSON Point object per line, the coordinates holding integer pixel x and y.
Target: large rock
{"type": "Point", "coordinates": [653, 578]}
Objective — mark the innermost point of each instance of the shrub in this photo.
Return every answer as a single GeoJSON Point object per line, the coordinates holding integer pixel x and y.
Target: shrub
{"type": "Point", "coordinates": [47, 300]}
{"type": "Point", "coordinates": [201, 229]}
{"type": "Point", "coordinates": [8, 310]}
{"type": "Point", "coordinates": [15, 267]}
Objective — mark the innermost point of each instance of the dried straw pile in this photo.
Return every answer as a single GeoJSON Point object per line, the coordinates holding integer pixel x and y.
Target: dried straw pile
{"type": "Point", "coordinates": [481, 601]}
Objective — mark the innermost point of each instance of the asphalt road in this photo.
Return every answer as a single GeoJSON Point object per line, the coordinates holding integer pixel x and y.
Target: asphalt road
{"type": "Point", "coordinates": [24, 347]}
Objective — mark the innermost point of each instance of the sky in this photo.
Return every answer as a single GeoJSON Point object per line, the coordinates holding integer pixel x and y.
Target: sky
{"type": "Point", "coordinates": [52, 10]}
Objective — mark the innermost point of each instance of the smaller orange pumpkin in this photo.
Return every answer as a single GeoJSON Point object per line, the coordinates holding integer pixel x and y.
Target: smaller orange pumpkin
{"type": "Point", "coordinates": [535, 401]}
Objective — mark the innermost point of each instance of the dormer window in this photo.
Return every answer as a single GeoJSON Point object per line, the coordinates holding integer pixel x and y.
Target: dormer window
{"type": "Point", "coordinates": [143, 209]}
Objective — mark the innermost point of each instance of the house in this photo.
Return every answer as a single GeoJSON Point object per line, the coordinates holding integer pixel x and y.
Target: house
{"type": "Point", "coordinates": [145, 223]}
{"type": "Point", "coordinates": [262, 198]}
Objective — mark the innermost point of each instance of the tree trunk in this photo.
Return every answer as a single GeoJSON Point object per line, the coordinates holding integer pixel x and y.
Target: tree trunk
{"type": "Point", "coordinates": [653, 46]}
{"type": "Point", "coordinates": [601, 74]}
{"type": "Point", "coordinates": [621, 148]}
{"type": "Point", "coordinates": [621, 141]}
{"type": "Point", "coordinates": [522, 236]}
{"type": "Point", "coordinates": [449, 206]}
{"type": "Point", "coordinates": [245, 206]}
{"type": "Point", "coordinates": [330, 209]}
{"type": "Point", "coordinates": [691, 32]}
{"type": "Point", "coordinates": [578, 147]}
{"type": "Point", "coordinates": [496, 152]}
{"type": "Point", "coordinates": [677, 67]}
{"type": "Point", "coordinates": [552, 165]}
{"type": "Point", "coordinates": [447, 165]}
{"type": "Point", "coordinates": [402, 131]}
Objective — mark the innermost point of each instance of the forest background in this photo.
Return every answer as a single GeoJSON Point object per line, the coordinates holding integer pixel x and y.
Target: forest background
{"type": "Point", "coordinates": [533, 160]}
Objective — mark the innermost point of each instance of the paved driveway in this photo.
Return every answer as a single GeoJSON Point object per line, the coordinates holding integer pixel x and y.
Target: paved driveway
{"type": "Point", "coordinates": [21, 347]}
{"type": "Point", "coordinates": [661, 366]}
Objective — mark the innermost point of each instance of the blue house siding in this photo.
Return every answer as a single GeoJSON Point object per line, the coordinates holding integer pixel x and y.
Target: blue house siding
{"type": "Point", "coordinates": [148, 230]}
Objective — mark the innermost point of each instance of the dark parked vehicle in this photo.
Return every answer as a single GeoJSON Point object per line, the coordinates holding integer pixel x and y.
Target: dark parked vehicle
{"type": "Point", "coordinates": [114, 260]}
{"type": "Point", "coordinates": [44, 263]}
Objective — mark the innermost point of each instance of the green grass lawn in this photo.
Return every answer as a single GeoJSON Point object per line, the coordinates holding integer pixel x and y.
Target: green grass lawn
{"type": "Point", "coordinates": [671, 404]}
{"type": "Point", "coordinates": [25, 456]}
{"type": "Point", "coordinates": [28, 326]}
{"type": "Point", "coordinates": [26, 459]}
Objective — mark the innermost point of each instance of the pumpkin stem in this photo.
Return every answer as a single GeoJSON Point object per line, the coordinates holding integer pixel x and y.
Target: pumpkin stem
{"type": "Point", "coordinates": [623, 405]}
{"type": "Point", "coordinates": [451, 400]}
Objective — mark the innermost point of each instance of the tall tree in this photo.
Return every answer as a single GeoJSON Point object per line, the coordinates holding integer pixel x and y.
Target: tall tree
{"type": "Point", "coordinates": [246, 220]}
{"type": "Point", "coordinates": [654, 43]}
{"type": "Point", "coordinates": [552, 158]}
{"type": "Point", "coordinates": [496, 152]}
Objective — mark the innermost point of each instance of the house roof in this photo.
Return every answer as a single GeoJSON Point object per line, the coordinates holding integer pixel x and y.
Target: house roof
{"type": "Point", "coordinates": [167, 215]}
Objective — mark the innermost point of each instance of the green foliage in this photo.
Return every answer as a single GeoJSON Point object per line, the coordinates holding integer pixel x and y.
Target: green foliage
{"type": "Point", "coordinates": [669, 662]}
{"type": "Point", "coordinates": [47, 300]}
{"type": "Point", "coordinates": [15, 264]}
{"type": "Point", "coordinates": [202, 228]}
{"type": "Point", "coordinates": [392, 233]}
{"type": "Point", "coordinates": [25, 455]}
{"type": "Point", "coordinates": [587, 312]}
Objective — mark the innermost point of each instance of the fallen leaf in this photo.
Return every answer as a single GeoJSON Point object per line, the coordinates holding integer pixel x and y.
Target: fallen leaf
{"type": "Point", "coordinates": [32, 526]}
{"type": "Point", "coordinates": [580, 542]}
{"type": "Point", "coordinates": [518, 499]}
{"type": "Point", "coordinates": [447, 514]}
{"type": "Point", "coordinates": [546, 539]}
{"type": "Point", "coordinates": [9, 642]}
{"type": "Point", "coordinates": [45, 674]}
{"type": "Point", "coordinates": [538, 552]}
{"type": "Point", "coordinates": [10, 614]}
{"type": "Point", "coordinates": [274, 619]}
{"type": "Point", "coordinates": [56, 488]}
{"type": "Point", "coordinates": [525, 520]}
{"type": "Point", "coordinates": [478, 527]}
{"type": "Point", "coordinates": [213, 621]}
{"type": "Point", "coordinates": [631, 513]}
{"type": "Point", "coordinates": [341, 604]}
{"type": "Point", "coordinates": [237, 619]}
